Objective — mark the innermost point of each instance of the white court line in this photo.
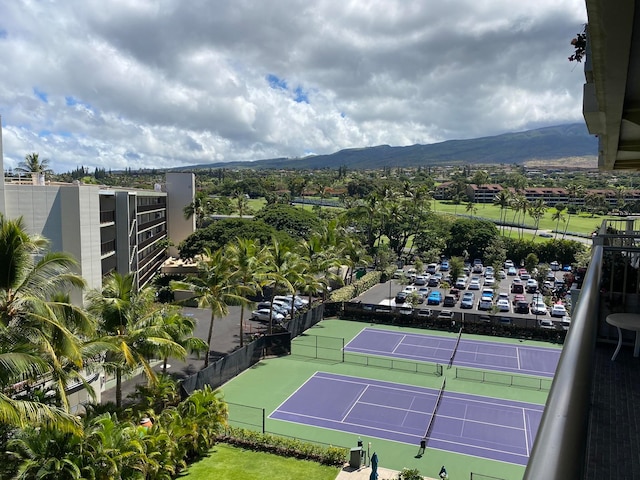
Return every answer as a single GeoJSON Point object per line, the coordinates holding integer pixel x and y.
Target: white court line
{"type": "Point", "coordinates": [398, 344]}
{"type": "Point", "coordinates": [518, 358]}
{"type": "Point", "coordinates": [355, 403]}
{"type": "Point", "coordinates": [526, 432]}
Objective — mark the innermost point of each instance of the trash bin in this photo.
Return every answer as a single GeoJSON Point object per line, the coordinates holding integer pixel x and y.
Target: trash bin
{"type": "Point", "coordinates": [355, 459]}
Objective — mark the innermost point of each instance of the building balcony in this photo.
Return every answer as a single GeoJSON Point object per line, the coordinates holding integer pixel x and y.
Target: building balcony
{"type": "Point", "coordinates": [589, 427]}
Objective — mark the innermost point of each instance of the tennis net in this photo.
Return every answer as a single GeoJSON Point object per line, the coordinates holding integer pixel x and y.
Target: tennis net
{"type": "Point", "coordinates": [435, 409]}
{"type": "Point", "coordinates": [455, 349]}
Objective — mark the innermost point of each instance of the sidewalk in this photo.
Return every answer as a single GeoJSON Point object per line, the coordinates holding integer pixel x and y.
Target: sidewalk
{"type": "Point", "coordinates": [364, 473]}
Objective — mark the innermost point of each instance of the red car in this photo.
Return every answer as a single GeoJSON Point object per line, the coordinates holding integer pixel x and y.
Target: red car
{"type": "Point", "coordinates": [519, 298]}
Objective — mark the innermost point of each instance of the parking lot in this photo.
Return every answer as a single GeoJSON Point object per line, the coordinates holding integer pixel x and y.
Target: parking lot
{"type": "Point", "coordinates": [508, 304]}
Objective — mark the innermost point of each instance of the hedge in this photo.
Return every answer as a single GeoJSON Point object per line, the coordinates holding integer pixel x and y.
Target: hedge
{"type": "Point", "coordinates": [348, 292]}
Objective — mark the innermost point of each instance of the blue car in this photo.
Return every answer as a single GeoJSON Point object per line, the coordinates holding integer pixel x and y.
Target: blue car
{"type": "Point", "coordinates": [434, 298]}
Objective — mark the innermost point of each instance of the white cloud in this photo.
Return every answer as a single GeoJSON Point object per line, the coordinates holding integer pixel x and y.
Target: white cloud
{"type": "Point", "coordinates": [167, 83]}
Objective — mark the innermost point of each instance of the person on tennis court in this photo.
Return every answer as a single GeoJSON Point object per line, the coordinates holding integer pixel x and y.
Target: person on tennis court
{"type": "Point", "coordinates": [443, 473]}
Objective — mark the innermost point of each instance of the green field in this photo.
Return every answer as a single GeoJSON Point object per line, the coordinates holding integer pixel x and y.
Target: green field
{"type": "Point", "coordinates": [582, 223]}
{"type": "Point", "coordinates": [270, 382]}
{"type": "Point", "coordinates": [225, 462]}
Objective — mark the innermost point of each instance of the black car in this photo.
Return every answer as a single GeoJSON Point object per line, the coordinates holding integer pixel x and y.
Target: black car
{"type": "Point", "coordinates": [401, 297]}
{"type": "Point", "coordinates": [450, 301]}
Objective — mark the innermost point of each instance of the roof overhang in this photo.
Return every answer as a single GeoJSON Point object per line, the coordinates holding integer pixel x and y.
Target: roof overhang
{"type": "Point", "coordinates": [611, 105]}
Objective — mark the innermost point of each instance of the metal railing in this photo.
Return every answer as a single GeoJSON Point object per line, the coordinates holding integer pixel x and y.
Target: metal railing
{"type": "Point", "coordinates": [559, 450]}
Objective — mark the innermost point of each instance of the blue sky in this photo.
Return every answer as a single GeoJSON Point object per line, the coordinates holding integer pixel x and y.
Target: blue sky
{"type": "Point", "coordinates": [163, 83]}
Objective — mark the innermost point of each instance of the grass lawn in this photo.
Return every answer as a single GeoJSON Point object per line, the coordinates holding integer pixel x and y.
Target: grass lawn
{"type": "Point", "coordinates": [582, 223]}
{"type": "Point", "coordinates": [230, 463]}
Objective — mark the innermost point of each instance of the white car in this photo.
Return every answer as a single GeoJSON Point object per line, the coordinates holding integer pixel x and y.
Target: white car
{"type": "Point", "coordinates": [474, 284]}
{"type": "Point", "coordinates": [538, 308]}
{"type": "Point", "coordinates": [558, 310]}
{"type": "Point", "coordinates": [485, 303]}
{"type": "Point", "coordinates": [410, 289]}
{"type": "Point", "coordinates": [461, 283]}
{"type": "Point", "coordinates": [445, 315]}
{"type": "Point", "coordinates": [503, 305]}
{"type": "Point", "coordinates": [489, 280]}
{"type": "Point", "coordinates": [262, 315]}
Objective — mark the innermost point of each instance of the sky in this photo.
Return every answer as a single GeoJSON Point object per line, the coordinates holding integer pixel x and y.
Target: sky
{"type": "Point", "coordinates": [168, 83]}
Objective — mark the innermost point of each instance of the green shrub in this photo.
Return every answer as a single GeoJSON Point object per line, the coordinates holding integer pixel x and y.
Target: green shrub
{"type": "Point", "coordinates": [286, 447]}
{"type": "Point", "coordinates": [348, 292]}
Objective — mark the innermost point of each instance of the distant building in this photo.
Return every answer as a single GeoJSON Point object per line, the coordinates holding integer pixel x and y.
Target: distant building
{"type": "Point", "coordinates": [105, 228]}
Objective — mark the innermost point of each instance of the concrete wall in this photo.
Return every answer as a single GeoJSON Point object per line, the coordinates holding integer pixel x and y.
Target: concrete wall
{"type": "Point", "coordinates": [68, 216]}
{"type": "Point", "coordinates": [180, 188]}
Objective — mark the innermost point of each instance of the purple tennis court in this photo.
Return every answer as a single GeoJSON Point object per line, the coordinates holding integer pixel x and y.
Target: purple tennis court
{"type": "Point", "coordinates": [485, 427]}
{"type": "Point", "coordinates": [539, 361]}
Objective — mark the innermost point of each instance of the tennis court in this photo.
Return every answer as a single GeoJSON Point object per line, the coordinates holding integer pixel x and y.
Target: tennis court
{"type": "Point", "coordinates": [485, 427]}
{"type": "Point", "coordinates": [482, 354]}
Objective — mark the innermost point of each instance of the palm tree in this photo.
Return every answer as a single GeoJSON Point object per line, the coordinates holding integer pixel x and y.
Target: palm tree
{"type": "Point", "coordinates": [200, 208]}
{"type": "Point", "coordinates": [558, 216]}
{"type": "Point", "coordinates": [242, 204]}
{"type": "Point", "coordinates": [213, 286]}
{"type": "Point", "coordinates": [33, 164]}
{"type": "Point", "coordinates": [503, 200]}
{"type": "Point", "coordinates": [180, 329]}
{"type": "Point", "coordinates": [574, 190]}
{"type": "Point", "coordinates": [249, 260]}
{"type": "Point", "coordinates": [282, 269]}
{"type": "Point", "coordinates": [35, 338]}
{"type": "Point", "coordinates": [131, 323]}
{"type": "Point", "coordinates": [471, 207]}
{"type": "Point", "coordinates": [536, 211]}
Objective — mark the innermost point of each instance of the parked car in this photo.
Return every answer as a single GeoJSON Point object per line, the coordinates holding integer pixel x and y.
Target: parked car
{"type": "Point", "coordinates": [467, 300]}
{"type": "Point", "coordinates": [434, 298]}
{"type": "Point", "coordinates": [546, 323]}
{"type": "Point", "coordinates": [478, 268]}
{"type": "Point", "coordinates": [445, 315]}
{"type": "Point", "coordinates": [420, 280]}
{"type": "Point", "coordinates": [512, 272]}
{"type": "Point", "coordinates": [425, 313]}
{"type": "Point", "coordinates": [558, 310]}
{"type": "Point", "coordinates": [503, 305]}
{"type": "Point", "coordinates": [461, 283]}
{"type": "Point", "coordinates": [298, 301]}
{"type": "Point", "coordinates": [517, 287]}
{"type": "Point", "coordinates": [565, 322]}
{"type": "Point", "coordinates": [433, 281]}
{"type": "Point", "coordinates": [405, 310]}
{"type": "Point", "coordinates": [532, 286]}
{"type": "Point", "coordinates": [444, 267]}
{"type": "Point", "coordinates": [401, 297]}
{"type": "Point", "coordinates": [555, 266]}
{"type": "Point", "coordinates": [449, 301]}
{"type": "Point", "coordinates": [489, 271]}
{"type": "Point", "coordinates": [432, 268]}
{"type": "Point", "coordinates": [519, 298]}
{"type": "Point", "coordinates": [424, 291]}
{"type": "Point", "coordinates": [474, 284]}
{"type": "Point", "coordinates": [277, 307]}
{"type": "Point", "coordinates": [263, 314]}
{"type": "Point", "coordinates": [489, 280]}
{"type": "Point", "coordinates": [485, 303]}
{"type": "Point", "coordinates": [285, 301]}
{"type": "Point", "coordinates": [538, 308]}
{"type": "Point", "coordinates": [399, 273]}
{"type": "Point", "coordinates": [509, 264]}
{"type": "Point", "coordinates": [502, 274]}
{"type": "Point", "coordinates": [487, 292]}
{"type": "Point", "coordinates": [521, 307]}
{"type": "Point", "coordinates": [523, 274]}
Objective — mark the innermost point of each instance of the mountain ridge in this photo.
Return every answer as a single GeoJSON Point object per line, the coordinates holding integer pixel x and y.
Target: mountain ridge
{"type": "Point", "coordinates": [547, 143]}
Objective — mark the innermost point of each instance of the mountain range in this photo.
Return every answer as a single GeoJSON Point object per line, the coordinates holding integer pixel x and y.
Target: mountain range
{"type": "Point", "coordinates": [549, 143]}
